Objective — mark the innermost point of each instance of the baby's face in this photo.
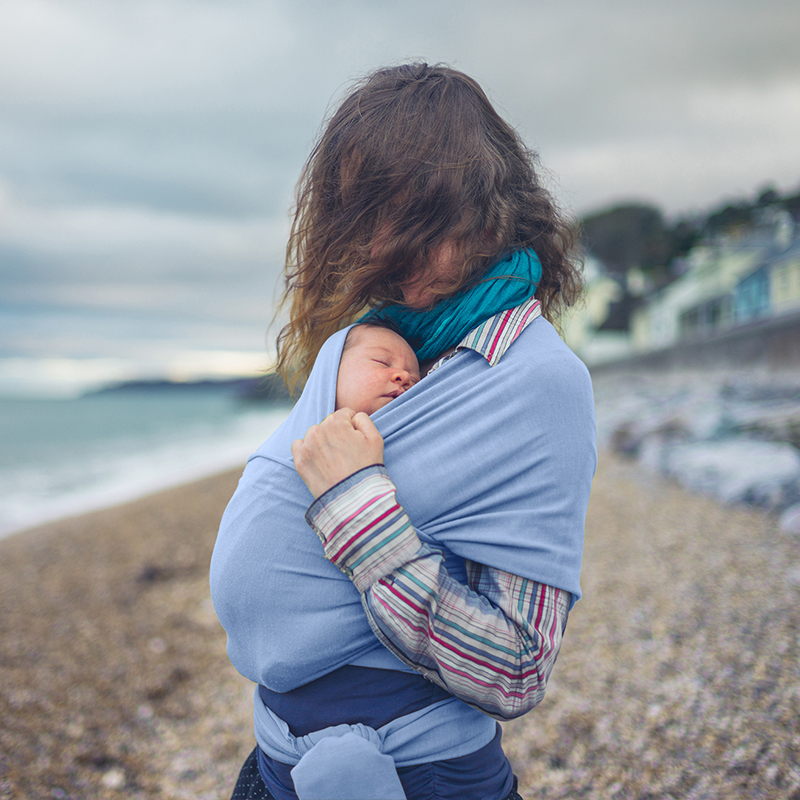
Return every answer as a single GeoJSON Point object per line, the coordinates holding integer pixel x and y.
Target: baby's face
{"type": "Point", "coordinates": [377, 365]}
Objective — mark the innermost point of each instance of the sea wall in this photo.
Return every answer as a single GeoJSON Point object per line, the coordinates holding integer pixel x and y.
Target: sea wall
{"type": "Point", "coordinates": [719, 416]}
{"type": "Point", "coordinates": [769, 345]}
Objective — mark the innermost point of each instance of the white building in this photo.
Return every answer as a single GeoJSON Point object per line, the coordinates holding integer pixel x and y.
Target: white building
{"type": "Point", "coordinates": [580, 325]}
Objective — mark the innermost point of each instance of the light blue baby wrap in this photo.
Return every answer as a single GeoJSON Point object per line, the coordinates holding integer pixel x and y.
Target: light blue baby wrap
{"type": "Point", "coordinates": [492, 464]}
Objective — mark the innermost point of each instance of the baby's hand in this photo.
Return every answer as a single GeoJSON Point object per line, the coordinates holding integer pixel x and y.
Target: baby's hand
{"type": "Point", "coordinates": [343, 443]}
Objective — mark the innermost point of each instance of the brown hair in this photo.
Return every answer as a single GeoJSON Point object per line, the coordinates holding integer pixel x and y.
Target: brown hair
{"type": "Point", "coordinates": [415, 156]}
{"type": "Point", "coordinates": [375, 322]}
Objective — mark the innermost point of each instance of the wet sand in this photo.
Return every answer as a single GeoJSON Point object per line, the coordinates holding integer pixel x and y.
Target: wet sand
{"type": "Point", "coordinates": [679, 675]}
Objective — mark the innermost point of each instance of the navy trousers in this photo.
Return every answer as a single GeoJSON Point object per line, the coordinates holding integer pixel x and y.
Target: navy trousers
{"type": "Point", "coordinates": [250, 786]}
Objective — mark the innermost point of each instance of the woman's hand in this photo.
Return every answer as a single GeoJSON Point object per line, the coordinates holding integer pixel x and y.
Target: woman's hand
{"type": "Point", "coordinates": [343, 443]}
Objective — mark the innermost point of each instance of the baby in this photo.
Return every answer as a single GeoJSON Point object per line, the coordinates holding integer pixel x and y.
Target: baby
{"type": "Point", "coordinates": [377, 365]}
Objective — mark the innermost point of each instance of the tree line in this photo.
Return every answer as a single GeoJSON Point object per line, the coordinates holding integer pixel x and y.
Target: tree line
{"type": "Point", "coordinates": [638, 235]}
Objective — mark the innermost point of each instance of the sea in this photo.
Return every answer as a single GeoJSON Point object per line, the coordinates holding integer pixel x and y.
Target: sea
{"type": "Point", "coordinates": [63, 456]}
{"type": "Point", "coordinates": [110, 392]}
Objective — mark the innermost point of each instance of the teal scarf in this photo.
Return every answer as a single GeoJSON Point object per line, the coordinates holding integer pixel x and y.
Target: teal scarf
{"type": "Point", "coordinates": [505, 285]}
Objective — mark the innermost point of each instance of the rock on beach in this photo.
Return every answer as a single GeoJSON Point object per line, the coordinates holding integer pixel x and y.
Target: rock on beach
{"type": "Point", "coordinates": [678, 676]}
{"type": "Point", "coordinates": [734, 436]}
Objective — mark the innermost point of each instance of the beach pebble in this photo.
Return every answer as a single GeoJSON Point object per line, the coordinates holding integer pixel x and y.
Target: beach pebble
{"type": "Point", "coordinates": [738, 470]}
{"type": "Point", "coordinates": [790, 520]}
{"type": "Point", "coordinates": [735, 440]}
{"type": "Point", "coordinates": [114, 779]}
{"type": "Point", "coordinates": [793, 576]}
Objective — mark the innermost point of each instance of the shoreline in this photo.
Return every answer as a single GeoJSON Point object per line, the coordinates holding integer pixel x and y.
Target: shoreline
{"type": "Point", "coordinates": [121, 496]}
{"type": "Point", "coordinates": [74, 457]}
{"type": "Point", "coordinates": [678, 675]}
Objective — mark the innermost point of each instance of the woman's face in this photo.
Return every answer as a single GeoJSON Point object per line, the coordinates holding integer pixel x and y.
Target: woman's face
{"type": "Point", "coordinates": [442, 267]}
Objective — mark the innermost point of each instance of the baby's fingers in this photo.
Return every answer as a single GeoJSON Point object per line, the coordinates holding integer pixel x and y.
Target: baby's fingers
{"type": "Point", "coordinates": [297, 449]}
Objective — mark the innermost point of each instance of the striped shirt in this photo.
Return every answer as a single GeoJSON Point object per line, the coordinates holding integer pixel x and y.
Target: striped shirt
{"type": "Point", "coordinates": [493, 642]}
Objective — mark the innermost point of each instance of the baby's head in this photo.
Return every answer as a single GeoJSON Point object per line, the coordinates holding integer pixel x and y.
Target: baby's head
{"type": "Point", "coordinates": [377, 365]}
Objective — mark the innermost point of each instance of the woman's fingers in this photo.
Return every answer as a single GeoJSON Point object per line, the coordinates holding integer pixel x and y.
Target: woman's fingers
{"type": "Point", "coordinates": [363, 424]}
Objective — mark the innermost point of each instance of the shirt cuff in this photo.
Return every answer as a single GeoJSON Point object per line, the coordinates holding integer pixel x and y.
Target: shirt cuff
{"type": "Point", "coordinates": [363, 529]}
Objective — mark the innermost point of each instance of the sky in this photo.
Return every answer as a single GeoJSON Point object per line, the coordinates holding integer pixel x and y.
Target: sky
{"type": "Point", "coordinates": [149, 150]}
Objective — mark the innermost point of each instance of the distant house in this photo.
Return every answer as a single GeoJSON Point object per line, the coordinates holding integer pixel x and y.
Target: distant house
{"type": "Point", "coordinates": [784, 280]}
{"type": "Point", "coordinates": [717, 284]}
{"type": "Point", "coordinates": [752, 295]}
{"type": "Point", "coordinates": [709, 295]}
{"type": "Point", "coordinates": [591, 328]}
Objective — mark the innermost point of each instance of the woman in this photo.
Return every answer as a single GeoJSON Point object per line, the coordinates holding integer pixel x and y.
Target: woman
{"type": "Point", "coordinates": [451, 570]}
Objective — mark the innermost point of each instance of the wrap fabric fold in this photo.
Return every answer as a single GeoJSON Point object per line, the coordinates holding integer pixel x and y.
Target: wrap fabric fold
{"type": "Point", "coordinates": [357, 761]}
{"type": "Point", "coordinates": [492, 464]}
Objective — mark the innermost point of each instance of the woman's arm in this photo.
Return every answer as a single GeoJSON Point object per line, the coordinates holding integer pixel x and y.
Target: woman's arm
{"type": "Point", "coordinates": [493, 643]}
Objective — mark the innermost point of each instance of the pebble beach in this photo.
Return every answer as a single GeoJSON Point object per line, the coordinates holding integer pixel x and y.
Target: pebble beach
{"type": "Point", "coordinates": [679, 675]}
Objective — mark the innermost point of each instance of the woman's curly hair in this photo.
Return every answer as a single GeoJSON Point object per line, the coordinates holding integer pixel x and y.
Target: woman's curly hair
{"type": "Point", "coordinates": [415, 157]}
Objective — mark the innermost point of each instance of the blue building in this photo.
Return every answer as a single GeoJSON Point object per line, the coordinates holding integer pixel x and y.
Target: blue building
{"type": "Point", "coordinates": [752, 295]}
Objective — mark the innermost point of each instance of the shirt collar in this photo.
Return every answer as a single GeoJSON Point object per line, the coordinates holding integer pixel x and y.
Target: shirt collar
{"type": "Point", "coordinates": [495, 335]}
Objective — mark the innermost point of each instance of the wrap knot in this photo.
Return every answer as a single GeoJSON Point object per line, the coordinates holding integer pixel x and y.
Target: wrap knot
{"type": "Point", "coordinates": [345, 762]}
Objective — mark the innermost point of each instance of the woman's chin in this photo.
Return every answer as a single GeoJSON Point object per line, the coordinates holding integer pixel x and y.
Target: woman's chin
{"type": "Point", "coordinates": [419, 299]}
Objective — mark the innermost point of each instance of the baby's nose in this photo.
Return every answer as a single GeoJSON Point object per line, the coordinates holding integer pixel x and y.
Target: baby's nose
{"type": "Point", "coordinates": [402, 378]}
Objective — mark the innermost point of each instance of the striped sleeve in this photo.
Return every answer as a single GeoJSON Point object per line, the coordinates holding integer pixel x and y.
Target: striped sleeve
{"type": "Point", "coordinates": [493, 643]}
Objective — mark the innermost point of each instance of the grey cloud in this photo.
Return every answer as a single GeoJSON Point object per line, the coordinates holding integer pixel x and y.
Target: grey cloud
{"type": "Point", "coordinates": [233, 165]}
{"type": "Point", "coordinates": [209, 109]}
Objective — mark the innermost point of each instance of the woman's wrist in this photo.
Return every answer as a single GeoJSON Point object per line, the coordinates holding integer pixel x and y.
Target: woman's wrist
{"type": "Point", "coordinates": [363, 530]}
{"type": "Point", "coordinates": [341, 486]}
